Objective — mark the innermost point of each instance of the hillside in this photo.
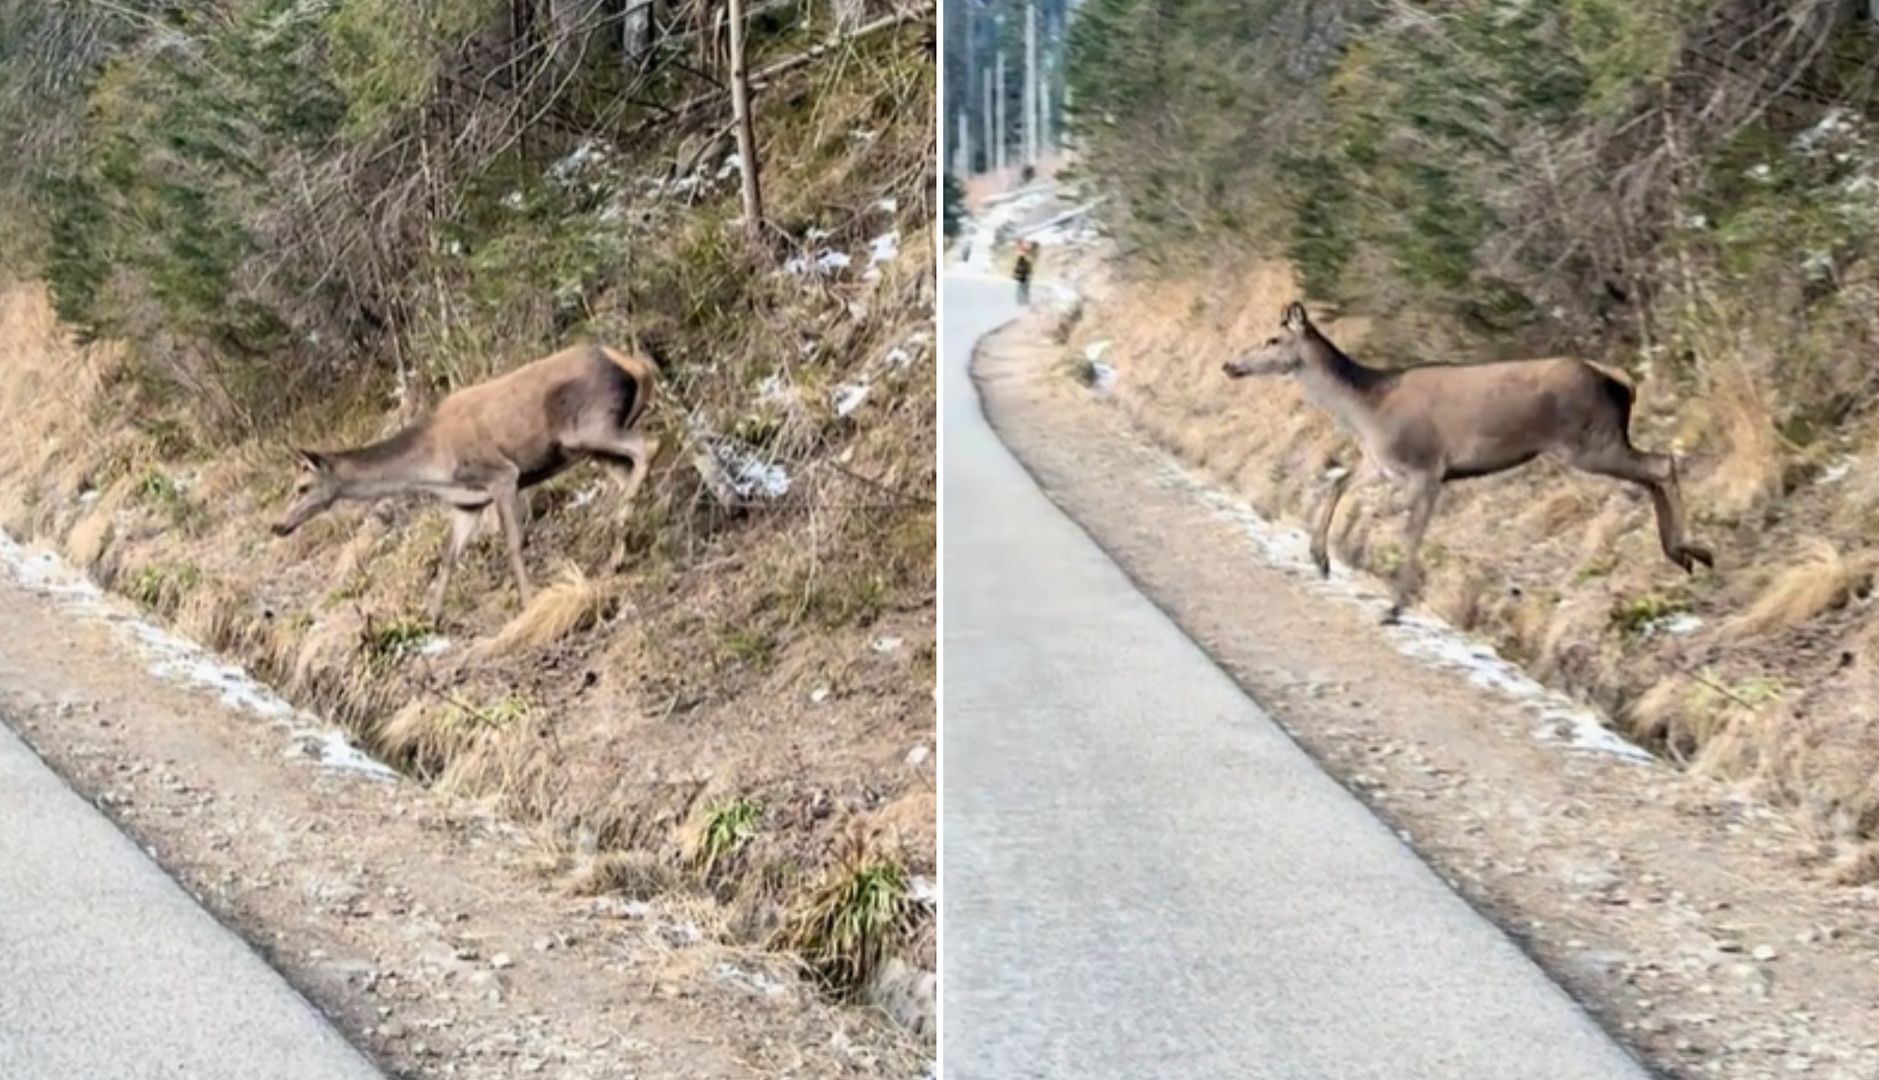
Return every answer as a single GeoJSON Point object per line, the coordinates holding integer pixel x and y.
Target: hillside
{"type": "Point", "coordinates": [237, 228]}
{"type": "Point", "coordinates": [1684, 191]}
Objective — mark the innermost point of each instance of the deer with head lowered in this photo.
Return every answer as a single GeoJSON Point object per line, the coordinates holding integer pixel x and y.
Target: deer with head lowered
{"type": "Point", "coordinates": [483, 445]}
{"type": "Point", "coordinates": [1426, 425]}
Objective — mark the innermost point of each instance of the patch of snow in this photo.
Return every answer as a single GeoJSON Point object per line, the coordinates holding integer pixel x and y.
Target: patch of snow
{"type": "Point", "coordinates": [732, 164]}
{"type": "Point", "coordinates": [1094, 351]}
{"type": "Point", "coordinates": [886, 644]}
{"type": "Point", "coordinates": [1558, 718]}
{"type": "Point", "coordinates": [897, 358]}
{"type": "Point", "coordinates": [885, 247]}
{"type": "Point", "coordinates": [513, 200]}
{"type": "Point", "coordinates": [590, 154]}
{"type": "Point", "coordinates": [923, 890]}
{"type": "Point", "coordinates": [584, 496]}
{"type": "Point", "coordinates": [176, 659]}
{"type": "Point", "coordinates": [888, 205]}
{"type": "Point", "coordinates": [816, 233]}
{"type": "Point", "coordinates": [918, 754]}
{"type": "Point", "coordinates": [1679, 624]}
{"type": "Point", "coordinates": [826, 262]}
{"type": "Point", "coordinates": [1836, 472]}
{"type": "Point", "coordinates": [751, 477]}
{"type": "Point", "coordinates": [819, 695]}
{"type": "Point", "coordinates": [849, 396]}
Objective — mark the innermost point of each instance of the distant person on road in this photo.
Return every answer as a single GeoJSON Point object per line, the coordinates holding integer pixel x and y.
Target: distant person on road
{"type": "Point", "coordinates": [1027, 262]}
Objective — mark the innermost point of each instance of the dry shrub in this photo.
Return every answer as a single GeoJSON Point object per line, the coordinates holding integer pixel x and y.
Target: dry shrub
{"type": "Point", "coordinates": [86, 544]}
{"type": "Point", "coordinates": [857, 915]}
{"type": "Point", "coordinates": [574, 602]}
{"type": "Point", "coordinates": [1749, 469]}
{"type": "Point", "coordinates": [1857, 865]}
{"type": "Point", "coordinates": [635, 875]}
{"type": "Point", "coordinates": [1820, 579]}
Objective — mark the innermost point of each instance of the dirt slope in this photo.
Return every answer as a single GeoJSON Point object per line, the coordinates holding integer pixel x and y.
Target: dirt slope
{"type": "Point", "coordinates": [1700, 926]}
{"type": "Point", "coordinates": [430, 929]}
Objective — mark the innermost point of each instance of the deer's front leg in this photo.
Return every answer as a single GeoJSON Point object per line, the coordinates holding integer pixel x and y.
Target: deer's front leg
{"type": "Point", "coordinates": [1423, 492]}
{"type": "Point", "coordinates": [508, 500]}
{"type": "Point", "coordinates": [463, 523]}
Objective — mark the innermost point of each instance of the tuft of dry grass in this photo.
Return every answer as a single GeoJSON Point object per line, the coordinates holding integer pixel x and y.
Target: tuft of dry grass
{"type": "Point", "coordinates": [635, 875]}
{"type": "Point", "coordinates": [572, 603]}
{"type": "Point", "coordinates": [1749, 469]}
{"type": "Point", "coordinates": [1818, 580]}
{"type": "Point", "coordinates": [854, 918]}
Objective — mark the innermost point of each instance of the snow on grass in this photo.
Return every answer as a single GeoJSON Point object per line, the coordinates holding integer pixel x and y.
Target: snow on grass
{"type": "Point", "coordinates": [1558, 719]}
{"type": "Point", "coordinates": [178, 660]}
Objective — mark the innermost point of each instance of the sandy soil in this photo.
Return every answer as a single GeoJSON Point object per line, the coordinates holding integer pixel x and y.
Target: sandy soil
{"type": "Point", "coordinates": [1697, 924]}
{"type": "Point", "coordinates": [427, 929]}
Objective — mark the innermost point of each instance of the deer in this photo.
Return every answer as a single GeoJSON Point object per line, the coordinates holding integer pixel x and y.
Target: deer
{"type": "Point", "coordinates": [485, 444]}
{"type": "Point", "coordinates": [1426, 425]}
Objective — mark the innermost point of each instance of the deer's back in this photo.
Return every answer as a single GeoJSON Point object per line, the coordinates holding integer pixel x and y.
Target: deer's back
{"type": "Point", "coordinates": [525, 415]}
{"type": "Point", "coordinates": [1487, 416]}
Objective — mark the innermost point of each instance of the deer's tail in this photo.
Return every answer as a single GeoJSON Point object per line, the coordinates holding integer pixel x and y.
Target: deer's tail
{"type": "Point", "coordinates": [644, 374]}
{"type": "Point", "coordinates": [1618, 386]}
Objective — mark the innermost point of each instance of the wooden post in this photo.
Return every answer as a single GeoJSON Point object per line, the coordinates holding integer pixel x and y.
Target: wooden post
{"type": "Point", "coordinates": [746, 133]}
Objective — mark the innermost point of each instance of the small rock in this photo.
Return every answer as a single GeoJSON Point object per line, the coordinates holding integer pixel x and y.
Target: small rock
{"type": "Point", "coordinates": [501, 960]}
{"type": "Point", "coordinates": [1764, 953]}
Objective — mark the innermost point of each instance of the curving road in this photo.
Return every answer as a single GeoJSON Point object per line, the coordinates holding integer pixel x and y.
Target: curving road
{"type": "Point", "coordinates": [1144, 876]}
{"type": "Point", "coordinates": [110, 971]}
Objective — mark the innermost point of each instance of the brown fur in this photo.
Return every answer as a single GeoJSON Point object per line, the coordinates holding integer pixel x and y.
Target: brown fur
{"type": "Point", "coordinates": [486, 443]}
{"type": "Point", "coordinates": [1425, 426]}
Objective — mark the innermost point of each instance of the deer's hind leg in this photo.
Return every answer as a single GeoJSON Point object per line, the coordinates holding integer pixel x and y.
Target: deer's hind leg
{"type": "Point", "coordinates": [1424, 492]}
{"type": "Point", "coordinates": [1656, 474]}
{"type": "Point", "coordinates": [628, 454]}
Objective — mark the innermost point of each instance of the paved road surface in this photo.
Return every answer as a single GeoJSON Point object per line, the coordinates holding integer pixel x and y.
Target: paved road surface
{"type": "Point", "coordinates": [1145, 877]}
{"type": "Point", "coordinates": [110, 971]}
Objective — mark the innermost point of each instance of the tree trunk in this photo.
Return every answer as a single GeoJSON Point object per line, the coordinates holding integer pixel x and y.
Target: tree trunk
{"type": "Point", "coordinates": [636, 24]}
{"type": "Point", "coordinates": [1030, 83]}
{"type": "Point", "coordinates": [746, 132]}
{"type": "Point", "coordinates": [985, 121]}
{"type": "Point", "coordinates": [999, 122]}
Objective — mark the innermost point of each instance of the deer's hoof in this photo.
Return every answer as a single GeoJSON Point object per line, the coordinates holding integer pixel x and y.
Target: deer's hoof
{"type": "Point", "coordinates": [1693, 554]}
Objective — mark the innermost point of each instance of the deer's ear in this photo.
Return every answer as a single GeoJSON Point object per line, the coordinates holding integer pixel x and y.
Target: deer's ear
{"type": "Point", "coordinates": [1294, 318]}
{"type": "Point", "coordinates": [312, 459]}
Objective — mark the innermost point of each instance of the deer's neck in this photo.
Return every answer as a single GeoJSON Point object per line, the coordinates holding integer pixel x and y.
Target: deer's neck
{"type": "Point", "coordinates": [1346, 389]}
{"type": "Point", "coordinates": [399, 465]}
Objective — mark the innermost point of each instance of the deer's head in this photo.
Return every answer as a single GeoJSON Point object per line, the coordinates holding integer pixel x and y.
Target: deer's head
{"type": "Point", "coordinates": [315, 490]}
{"type": "Point", "coordinates": [1280, 355]}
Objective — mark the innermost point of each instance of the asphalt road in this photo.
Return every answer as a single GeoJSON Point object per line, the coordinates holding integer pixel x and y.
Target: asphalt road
{"type": "Point", "coordinates": [110, 971]}
{"type": "Point", "coordinates": [1144, 876]}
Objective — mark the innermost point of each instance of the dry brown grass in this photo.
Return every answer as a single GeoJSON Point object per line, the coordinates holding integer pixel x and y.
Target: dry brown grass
{"type": "Point", "coordinates": [1817, 580]}
{"type": "Point", "coordinates": [1748, 471]}
{"type": "Point", "coordinates": [572, 603]}
{"type": "Point", "coordinates": [1793, 726]}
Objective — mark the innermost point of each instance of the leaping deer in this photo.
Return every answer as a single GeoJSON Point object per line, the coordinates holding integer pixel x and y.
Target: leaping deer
{"type": "Point", "coordinates": [1426, 425]}
{"type": "Point", "coordinates": [485, 444]}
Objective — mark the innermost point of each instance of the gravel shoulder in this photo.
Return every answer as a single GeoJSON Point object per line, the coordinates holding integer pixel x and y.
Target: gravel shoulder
{"type": "Point", "coordinates": [426, 928]}
{"type": "Point", "coordinates": [1690, 920]}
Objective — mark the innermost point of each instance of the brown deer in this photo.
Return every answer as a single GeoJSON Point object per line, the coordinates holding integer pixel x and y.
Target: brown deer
{"type": "Point", "coordinates": [485, 444]}
{"type": "Point", "coordinates": [1426, 425]}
